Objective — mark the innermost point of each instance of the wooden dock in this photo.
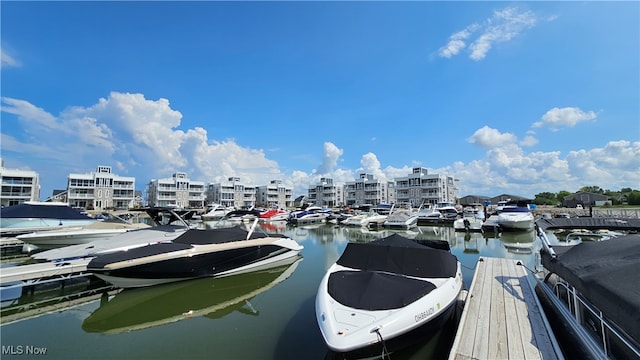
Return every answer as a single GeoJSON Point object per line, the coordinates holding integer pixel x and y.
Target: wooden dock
{"type": "Point", "coordinates": [502, 317]}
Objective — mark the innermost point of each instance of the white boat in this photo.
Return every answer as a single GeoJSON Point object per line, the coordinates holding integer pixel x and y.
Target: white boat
{"type": "Point", "coordinates": [378, 295]}
{"type": "Point", "coordinates": [428, 215]}
{"type": "Point", "coordinates": [514, 217]}
{"type": "Point", "coordinates": [590, 293]}
{"type": "Point", "coordinates": [373, 218]}
{"type": "Point", "coordinates": [242, 215]}
{"type": "Point", "coordinates": [35, 215]}
{"type": "Point", "coordinates": [402, 218]}
{"type": "Point", "coordinates": [196, 253]}
{"type": "Point", "coordinates": [215, 212]}
{"type": "Point", "coordinates": [447, 209]}
{"type": "Point", "coordinates": [169, 223]}
{"type": "Point", "coordinates": [470, 221]}
{"type": "Point", "coordinates": [309, 215]}
{"type": "Point", "coordinates": [72, 235]}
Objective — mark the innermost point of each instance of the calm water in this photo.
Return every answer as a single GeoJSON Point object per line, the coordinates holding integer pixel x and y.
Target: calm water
{"type": "Point", "coordinates": [264, 315]}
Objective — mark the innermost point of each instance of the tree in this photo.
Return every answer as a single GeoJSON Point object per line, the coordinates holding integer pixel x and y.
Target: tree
{"type": "Point", "coordinates": [561, 195]}
{"type": "Point", "coordinates": [634, 197]}
{"type": "Point", "coordinates": [545, 198]}
{"type": "Point", "coordinates": [592, 189]}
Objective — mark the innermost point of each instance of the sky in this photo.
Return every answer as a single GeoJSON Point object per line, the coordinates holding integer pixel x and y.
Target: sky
{"type": "Point", "coordinates": [507, 97]}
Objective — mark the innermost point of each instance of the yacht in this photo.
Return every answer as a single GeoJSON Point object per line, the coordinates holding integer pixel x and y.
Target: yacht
{"type": "Point", "coordinates": [36, 215]}
{"type": "Point", "coordinates": [196, 253]}
{"type": "Point", "coordinates": [516, 217]}
{"type": "Point", "coordinates": [168, 224]}
{"type": "Point", "coordinates": [309, 215]}
{"type": "Point", "coordinates": [72, 235]}
{"type": "Point", "coordinates": [402, 218]}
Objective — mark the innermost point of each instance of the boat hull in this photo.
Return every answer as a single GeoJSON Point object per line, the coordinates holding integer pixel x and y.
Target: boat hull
{"type": "Point", "coordinates": [166, 263]}
{"type": "Point", "coordinates": [349, 330]}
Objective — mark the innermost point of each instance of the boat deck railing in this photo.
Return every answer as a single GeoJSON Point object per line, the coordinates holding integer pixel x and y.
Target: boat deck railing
{"type": "Point", "coordinates": [577, 307]}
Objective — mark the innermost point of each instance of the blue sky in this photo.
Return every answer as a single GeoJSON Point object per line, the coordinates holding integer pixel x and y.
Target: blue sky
{"type": "Point", "coordinates": [508, 97]}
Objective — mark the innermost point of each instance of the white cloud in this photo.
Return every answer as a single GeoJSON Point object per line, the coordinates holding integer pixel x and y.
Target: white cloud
{"type": "Point", "coordinates": [564, 117]}
{"type": "Point", "coordinates": [504, 25]}
{"type": "Point", "coordinates": [457, 42]}
{"type": "Point", "coordinates": [330, 158]}
{"type": "Point", "coordinates": [32, 117]}
{"type": "Point", "coordinates": [6, 60]}
{"type": "Point", "coordinates": [490, 138]}
{"type": "Point", "coordinates": [529, 140]}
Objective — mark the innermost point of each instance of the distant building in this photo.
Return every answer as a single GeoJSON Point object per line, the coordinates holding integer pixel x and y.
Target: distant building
{"type": "Point", "coordinates": [368, 190]}
{"type": "Point", "coordinates": [420, 187]}
{"type": "Point", "coordinates": [178, 190]}
{"type": "Point", "coordinates": [18, 186]}
{"type": "Point", "coordinates": [507, 197]}
{"type": "Point", "coordinates": [585, 199]}
{"type": "Point", "coordinates": [231, 193]}
{"type": "Point", "coordinates": [274, 195]}
{"type": "Point", "coordinates": [100, 189]}
{"type": "Point", "coordinates": [326, 193]}
{"type": "Point", "coordinates": [473, 200]}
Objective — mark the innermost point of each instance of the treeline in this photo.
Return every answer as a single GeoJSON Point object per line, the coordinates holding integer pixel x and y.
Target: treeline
{"type": "Point", "coordinates": [624, 196]}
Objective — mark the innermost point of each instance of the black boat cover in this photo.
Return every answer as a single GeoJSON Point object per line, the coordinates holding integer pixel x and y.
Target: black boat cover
{"type": "Point", "coordinates": [399, 255]}
{"type": "Point", "coordinates": [589, 223]}
{"type": "Point", "coordinates": [62, 212]}
{"type": "Point", "coordinates": [384, 265]}
{"type": "Point", "coordinates": [607, 273]}
{"type": "Point", "coordinates": [218, 236]}
{"type": "Point", "coordinates": [363, 289]}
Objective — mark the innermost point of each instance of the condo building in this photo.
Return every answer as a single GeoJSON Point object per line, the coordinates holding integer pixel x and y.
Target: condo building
{"type": "Point", "coordinates": [420, 187]}
{"type": "Point", "coordinates": [231, 193]}
{"type": "Point", "coordinates": [326, 193]}
{"type": "Point", "coordinates": [18, 186]}
{"type": "Point", "coordinates": [274, 195]}
{"type": "Point", "coordinates": [101, 189]}
{"type": "Point", "coordinates": [367, 190]}
{"type": "Point", "coordinates": [178, 191]}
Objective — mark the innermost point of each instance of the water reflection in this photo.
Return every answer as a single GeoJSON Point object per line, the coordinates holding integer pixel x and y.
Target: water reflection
{"type": "Point", "coordinates": [135, 309]}
{"type": "Point", "coordinates": [519, 242]}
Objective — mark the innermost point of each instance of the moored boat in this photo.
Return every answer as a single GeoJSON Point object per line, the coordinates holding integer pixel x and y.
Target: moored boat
{"type": "Point", "coordinates": [402, 218]}
{"type": "Point", "coordinates": [470, 221]}
{"type": "Point", "coordinates": [31, 216]}
{"type": "Point", "coordinates": [591, 290]}
{"type": "Point", "coordinates": [168, 223]}
{"type": "Point", "coordinates": [309, 215]}
{"type": "Point", "coordinates": [72, 235]}
{"type": "Point", "coordinates": [194, 254]}
{"type": "Point", "coordinates": [516, 217]}
{"type": "Point", "coordinates": [377, 294]}
{"type": "Point", "coordinates": [274, 215]}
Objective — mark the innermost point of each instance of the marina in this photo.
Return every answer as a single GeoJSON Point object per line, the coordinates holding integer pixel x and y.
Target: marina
{"type": "Point", "coordinates": [274, 309]}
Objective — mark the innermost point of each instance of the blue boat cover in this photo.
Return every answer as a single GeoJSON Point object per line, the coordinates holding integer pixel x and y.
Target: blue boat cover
{"type": "Point", "coordinates": [26, 210]}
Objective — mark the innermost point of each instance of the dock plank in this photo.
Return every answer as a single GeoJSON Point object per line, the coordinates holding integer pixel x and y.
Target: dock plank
{"type": "Point", "coordinates": [502, 318]}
